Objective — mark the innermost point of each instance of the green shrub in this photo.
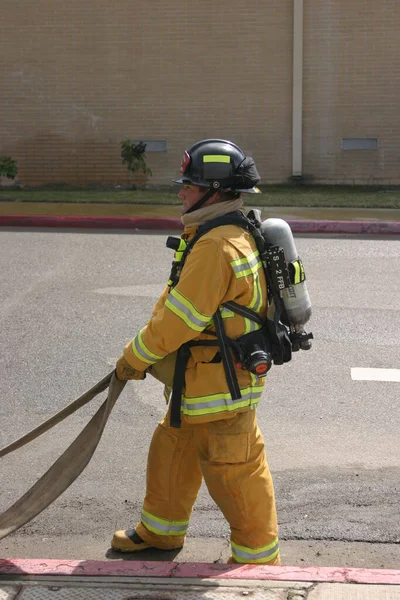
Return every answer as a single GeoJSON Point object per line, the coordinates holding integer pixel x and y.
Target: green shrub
{"type": "Point", "coordinates": [8, 167]}
{"type": "Point", "coordinates": [134, 157]}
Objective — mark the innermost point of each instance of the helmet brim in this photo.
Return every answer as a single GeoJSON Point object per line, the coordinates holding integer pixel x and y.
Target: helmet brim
{"type": "Point", "coordinates": [182, 180]}
{"type": "Point", "coordinates": [191, 182]}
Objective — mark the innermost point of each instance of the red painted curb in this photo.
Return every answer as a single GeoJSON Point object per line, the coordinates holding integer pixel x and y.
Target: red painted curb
{"type": "Point", "coordinates": [357, 227]}
{"type": "Point", "coordinates": [122, 568]}
{"type": "Point", "coordinates": [90, 222]}
{"type": "Point", "coordinates": [160, 223]}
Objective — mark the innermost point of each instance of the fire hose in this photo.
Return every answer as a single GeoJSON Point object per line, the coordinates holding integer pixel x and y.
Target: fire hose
{"type": "Point", "coordinates": [70, 464]}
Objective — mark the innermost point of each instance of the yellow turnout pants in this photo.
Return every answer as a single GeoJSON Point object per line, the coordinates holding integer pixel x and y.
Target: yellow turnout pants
{"type": "Point", "coordinates": [230, 455]}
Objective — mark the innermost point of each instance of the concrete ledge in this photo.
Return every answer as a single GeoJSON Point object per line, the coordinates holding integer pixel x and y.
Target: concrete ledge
{"type": "Point", "coordinates": [128, 568]}
{"type": "Point", "coordinates": [166, 223]}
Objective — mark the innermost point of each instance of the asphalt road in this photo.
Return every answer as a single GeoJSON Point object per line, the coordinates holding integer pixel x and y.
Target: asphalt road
{"type": "Point", "coordinates": [71, 300]}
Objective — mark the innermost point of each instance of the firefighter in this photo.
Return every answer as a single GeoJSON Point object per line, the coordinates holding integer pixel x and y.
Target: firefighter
{"type": "Point", "coordinates": [214, 434]}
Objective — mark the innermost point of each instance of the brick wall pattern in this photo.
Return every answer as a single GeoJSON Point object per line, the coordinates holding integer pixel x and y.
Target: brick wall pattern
{"type": "Point", "coordinates": [78, 77]}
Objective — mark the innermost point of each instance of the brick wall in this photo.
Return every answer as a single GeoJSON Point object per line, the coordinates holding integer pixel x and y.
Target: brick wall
{"type": "Point", "coordinates": [80, 76]}
{"type": "Point", "coordinates": [352, 89]}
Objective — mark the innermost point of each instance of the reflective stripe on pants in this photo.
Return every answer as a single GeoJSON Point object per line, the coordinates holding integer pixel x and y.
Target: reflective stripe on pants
{"type": "Point", "coordinates": [230, 455]}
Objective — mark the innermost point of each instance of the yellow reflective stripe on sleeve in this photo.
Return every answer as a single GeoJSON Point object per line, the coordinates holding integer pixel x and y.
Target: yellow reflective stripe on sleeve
{"type": "Point", "coordinates": [247, 265]}
{"type": "Point", "coordinates": [163, 526]}
{"type": "Point", "coordinates": [218, 158]}
{"type": "Point", "coordinates": [142, 352]}
{"type": "Point", "coordinates": [185, 310]}
{"type": "Point", "coordinates": [265, 554]}
{"type": "Point", "coordinates": [217, 403]}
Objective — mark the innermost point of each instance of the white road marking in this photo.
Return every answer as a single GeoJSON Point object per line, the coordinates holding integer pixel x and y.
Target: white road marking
{"type": "Point", "coordinates": [360, 374]}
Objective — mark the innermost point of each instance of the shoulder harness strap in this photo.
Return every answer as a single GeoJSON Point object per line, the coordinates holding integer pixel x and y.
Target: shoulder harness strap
{"type": "Point", "coordinates": [224, 343]}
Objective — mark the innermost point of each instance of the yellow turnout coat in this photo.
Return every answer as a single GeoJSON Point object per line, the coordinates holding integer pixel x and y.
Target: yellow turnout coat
{"type": "Point", "coordinates": [224, 265]}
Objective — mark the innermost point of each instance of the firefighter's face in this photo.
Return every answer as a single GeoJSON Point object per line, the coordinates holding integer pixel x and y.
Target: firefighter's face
{"type": "Point", "coordinates": [190, 194]}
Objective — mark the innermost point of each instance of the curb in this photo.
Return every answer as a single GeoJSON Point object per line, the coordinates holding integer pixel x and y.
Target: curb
{"type": "Point", "coordinates": [160, 223]}
{"type": "Point", "coordinates": [121, 568]}
{"type": "Point", "coordinates": [90, 222]}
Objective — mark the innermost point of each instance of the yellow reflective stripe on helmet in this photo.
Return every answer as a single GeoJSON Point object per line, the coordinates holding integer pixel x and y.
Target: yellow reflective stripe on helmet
{"type": "Point", "coordinates": [247, 265]}
{"type": "Point", "coordinates": [265, 554]}
{"type": "Point", "coordinates": [217, 403]}
{"type": "Point", "coordinates": [184, 309]}
{"type": "Point", "coordinates": [163, 526]}
{"type": "Point", "coordinates": [218, 158]}
{"type": "Point", "coordinates": [142, 352]}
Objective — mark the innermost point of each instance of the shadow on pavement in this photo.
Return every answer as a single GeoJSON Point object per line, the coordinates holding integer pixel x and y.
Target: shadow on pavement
{"type": "Point", "coordinates": [151, 554]}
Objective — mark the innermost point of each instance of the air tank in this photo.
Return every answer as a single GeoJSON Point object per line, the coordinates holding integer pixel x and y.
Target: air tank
{"type": "Point", "coordinates": [295, 298]}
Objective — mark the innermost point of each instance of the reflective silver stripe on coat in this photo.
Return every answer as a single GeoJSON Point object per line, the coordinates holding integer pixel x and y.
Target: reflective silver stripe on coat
{"type": "Point", "coordinates": [183, 308]}
{"type": "Point", "coordinates": [256, 302]}
{"type": "Point", "coordinates": [226, 313]}
{"type": "Point", "coordinates": [246, 266]}
{"type": "Point", "coordinates": [216, 403]}
{"type": "Point", "coordinates": [250, 325]}
{"type": "Point", "coordinates": [143, 353]}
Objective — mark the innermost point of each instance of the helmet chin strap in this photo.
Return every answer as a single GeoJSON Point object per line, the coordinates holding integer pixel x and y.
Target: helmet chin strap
{"type": "Point", "coordinates": [202, 200]}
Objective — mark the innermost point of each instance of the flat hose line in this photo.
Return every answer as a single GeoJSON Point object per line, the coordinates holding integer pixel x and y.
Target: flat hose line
{"type": "Point", "coordinates": [70, 464]}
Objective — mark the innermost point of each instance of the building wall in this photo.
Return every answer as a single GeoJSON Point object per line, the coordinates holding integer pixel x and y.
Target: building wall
{"type": "Point", "coordinates": [352, 89]}
{"type": "Point", "coordinates": [78, 77]}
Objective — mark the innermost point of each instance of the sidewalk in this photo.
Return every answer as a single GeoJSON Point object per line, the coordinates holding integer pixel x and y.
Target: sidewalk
{"type": "Point", "coordinates": [164, 217]}
{"type": "Point", "coordinates": [133, 580]}
{"type": "Point", "coordinates": [128, 579]}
